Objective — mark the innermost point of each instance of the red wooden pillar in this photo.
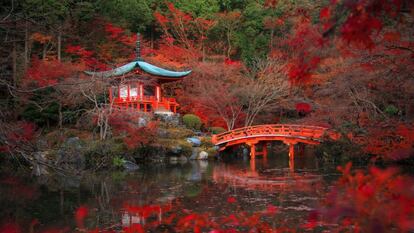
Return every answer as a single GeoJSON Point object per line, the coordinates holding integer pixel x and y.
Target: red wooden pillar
{"type": "Point", "coordinates": [145, 107]}
{"type": "Point", "coordinates": [141, 91]}
{"type": "Point", "coordinates": [128, 92]}
{"type": "Point", "coordinates": [175, 108]}
{"type": "Point", "coordinates": [265, 152]}
{"type": "Point", "coordinates": [158, 93]}
{"type": "Point", "coordinates": [291, 151]}
{"type": "Point", "coordinates": [110, 94]}
{"type": "Point", "coordinates": [291, 156]}
{"type": "Point", "coordinates": [154, 105]}
{"type": "Point", "coordinates": [253, 151]}
{"type": "Point", "coordinates": [253, 165]}
{"type": "Point", "coordinates": [252, 155]}
{"type": "Point", "coordinates": [119, 92]}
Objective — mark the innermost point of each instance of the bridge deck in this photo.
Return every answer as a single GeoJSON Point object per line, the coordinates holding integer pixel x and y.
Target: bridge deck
{"type": "Point", "coordinates": [280, 132]}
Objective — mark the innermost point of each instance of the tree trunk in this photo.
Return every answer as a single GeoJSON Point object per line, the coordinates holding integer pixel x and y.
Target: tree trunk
{"type": "Point", "coordinates": [14, 61]}
{"type": "Point", "coordinates": [60, 117]}
{"type": "Point", "coordinates": [44, 51]}
{"type": "Point", "coordinates": [152, 36]}
{"type": "Point", "coordinates": [272, 32]}
{"type": "Point", "coordinates": [229, 44]}
{"type": "Point", "coordinates": [59, 44]}
{"type": "Point", "coordinates": [26, 46]}
{"type": "Point", "coordinates": [204, 51]}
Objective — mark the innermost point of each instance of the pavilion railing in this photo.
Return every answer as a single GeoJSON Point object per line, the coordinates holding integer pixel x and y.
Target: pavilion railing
{"type": "Point", "coordinates": [144, 99]}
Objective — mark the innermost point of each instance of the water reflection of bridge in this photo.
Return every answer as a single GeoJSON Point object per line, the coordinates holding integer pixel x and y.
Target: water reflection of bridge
{"type": "Point", "coordinates": [252, 180]}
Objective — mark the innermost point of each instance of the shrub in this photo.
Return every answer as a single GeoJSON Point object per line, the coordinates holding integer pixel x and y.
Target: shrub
{"type": "Point", "coordinates": [100, 154]}
{"type": "Point", "coordinates": [391, 110]}
{"type": "Point", "coordinates": [179, 133]}
{"type": "Point", "coordinates": [192, 121]}
{"type": "Point", "coordinates": [206, 142]}
{"type": "Point", "coordinates": [172, 144]}
{"type": "Point", "coordinates": [212, 152]}
{"type": "Point", "coordinates": [118, 162]}
{"type": "Point", "coordinates": [216, 130]}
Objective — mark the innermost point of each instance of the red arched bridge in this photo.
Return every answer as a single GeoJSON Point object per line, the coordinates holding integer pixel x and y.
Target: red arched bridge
{"type": "Point", "coordinates": [289, 134]}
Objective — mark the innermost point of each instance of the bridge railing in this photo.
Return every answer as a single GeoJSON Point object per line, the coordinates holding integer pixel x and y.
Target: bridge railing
{"type": "Point", "coordinates": [287, 130]}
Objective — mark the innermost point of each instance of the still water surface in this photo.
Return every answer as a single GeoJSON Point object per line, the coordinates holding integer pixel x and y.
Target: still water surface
{"type": "Point", "coordinates": [217, 188]}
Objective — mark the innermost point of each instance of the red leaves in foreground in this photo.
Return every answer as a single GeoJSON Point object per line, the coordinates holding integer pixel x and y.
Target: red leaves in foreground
{"type": "Point", "coordinates": [312, 221]}
{"type": "Point", "coordinates": [10, 227]}
{"type": "Point", "coordinates": [381, 199]}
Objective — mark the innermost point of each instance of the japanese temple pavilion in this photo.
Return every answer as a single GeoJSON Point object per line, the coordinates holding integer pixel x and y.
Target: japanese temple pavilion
{"type": "Point", "coordinates": [140, 87]}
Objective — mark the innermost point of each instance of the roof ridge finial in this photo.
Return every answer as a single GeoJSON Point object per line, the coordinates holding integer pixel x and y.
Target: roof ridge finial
{"type": "Point", "coordinates": [138, 48]}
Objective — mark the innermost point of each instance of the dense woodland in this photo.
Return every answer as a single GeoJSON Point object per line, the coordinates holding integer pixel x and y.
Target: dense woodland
{"type": "Point", "coordinates": [343, 64]}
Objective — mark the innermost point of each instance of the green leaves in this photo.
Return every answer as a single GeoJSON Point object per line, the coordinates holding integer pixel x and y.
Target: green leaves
{"type": "Point", "coordinates": [135, 14]}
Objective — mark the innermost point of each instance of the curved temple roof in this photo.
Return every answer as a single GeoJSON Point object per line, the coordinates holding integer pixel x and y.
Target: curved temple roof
{"type": "Point", "coordinates": [115, 72]}
{"type": "Point", "coordinates": [155, 70]}
{"type": "Point", "coordinates": [145, 66]}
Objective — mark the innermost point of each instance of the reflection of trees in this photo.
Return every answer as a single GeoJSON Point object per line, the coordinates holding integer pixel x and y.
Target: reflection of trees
{"type": "Point", "coordinates": [118, 199]}
{"type": "Point", "coordinates": [158, 185]}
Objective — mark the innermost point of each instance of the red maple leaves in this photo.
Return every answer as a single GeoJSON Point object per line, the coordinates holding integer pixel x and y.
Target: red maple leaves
{"type": "Point", "coordinates": [49, 72]}
{"type": "Point", "coordinates": [358, 29]}
{"type": "Point", "coordinates": [126, 124]}
{"type": "Point", "coordinates": [80, 214]}
{"type": "Point", "coordinates": [23, 133]}
{"type": "Point", "coordinates": [303, 108]}
{"type": "Point", "coordinates": [300, 71]}
{"type": "Point", "coordinates": [380, 199]}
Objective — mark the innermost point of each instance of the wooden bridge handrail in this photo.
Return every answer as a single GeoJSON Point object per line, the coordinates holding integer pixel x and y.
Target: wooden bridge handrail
{"type": "Point", "coordinates": [288, 130]}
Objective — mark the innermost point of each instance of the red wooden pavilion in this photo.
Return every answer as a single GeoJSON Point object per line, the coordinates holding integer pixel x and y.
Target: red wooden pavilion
{"type": "Point", "coordinates": [139, 86]}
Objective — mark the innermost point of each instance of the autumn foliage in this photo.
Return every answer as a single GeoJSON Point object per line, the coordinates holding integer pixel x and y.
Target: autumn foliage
{"type": "Point", "coordinates": [183, 33]}
{"type": "Point", "coordinates": [131, 127]}
{"type": "Point", "coordinates": [389, 141]}
{"type": "Point", "coordinates": [19, 135]}
{"type": "Point", "coordinates": [50, 72]}
{"type": "Point", "coordinates": [378, 200]}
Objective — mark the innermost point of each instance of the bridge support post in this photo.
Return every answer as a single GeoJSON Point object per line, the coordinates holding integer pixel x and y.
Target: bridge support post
{"type": "Point", "coordinates": [264, 149]}
{"type": "Point", "coordinates": [253, 151]}
{"type": "Point", "coordinates": [292, 156]}
{"type": "Point", "coordinates": [291, 151]}
{"type": "Point", "coordinates": [253, 165]}
{"type": "Point", "coordinates": [265, 152]}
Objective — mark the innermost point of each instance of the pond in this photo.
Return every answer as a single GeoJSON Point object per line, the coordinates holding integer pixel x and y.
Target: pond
{"type": "Point", "coordinates": [162, 197]}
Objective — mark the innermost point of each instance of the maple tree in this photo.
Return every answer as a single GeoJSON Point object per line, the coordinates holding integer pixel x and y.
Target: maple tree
{"type": "Point", "coordinates": [184, 33]}
{"type": "Point", "coordinates": [265, 88]}
{"type": "Point", "coordinates": [215, 91]}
